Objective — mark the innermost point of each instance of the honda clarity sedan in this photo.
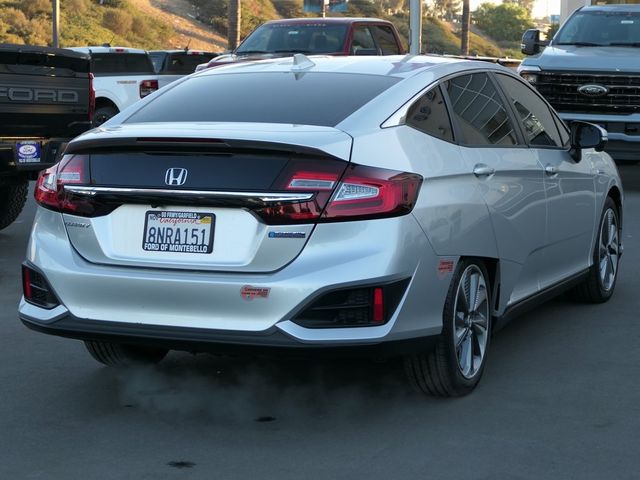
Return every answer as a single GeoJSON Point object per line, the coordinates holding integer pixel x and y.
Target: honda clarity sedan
{"type": "Point", "coordinates": [402, 205]}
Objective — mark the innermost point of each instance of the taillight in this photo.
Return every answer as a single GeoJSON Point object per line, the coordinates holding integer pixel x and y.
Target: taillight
{"type": "Point", "coordinates": [50, 192]}
{"type": "Point", "coordinates": [367, 192]}
{"type": "Point", "coordinates": [342, 194]}
{"type": "Point", "coordinates": [318, 178]}
{"type": "Point", "coordinates": [92, 98]}
{"type": "Point", "coordinates": [147, 87]}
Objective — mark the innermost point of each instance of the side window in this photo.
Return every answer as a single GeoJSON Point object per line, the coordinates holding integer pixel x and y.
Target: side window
{"type": "Point", "coordinates": [429, 115]}
{"type": "Point", "coordinates": [362, 39]}
{"type": "Point", "coordinates": [385, 39]}
{"type": "Point", "coordinates": [479, 111]}
{"type": "Point", "coordinates": [539, 127]}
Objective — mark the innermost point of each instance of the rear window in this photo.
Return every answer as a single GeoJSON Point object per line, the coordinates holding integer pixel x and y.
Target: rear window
{"type": "Point", "coordinates": [276, 97]}
{"type": "Point", "coordinates": [121, 64]}
{"type": "Point", "coordinates": [183, 63]}
{"type": "Point", "coordinates": [302, 38]}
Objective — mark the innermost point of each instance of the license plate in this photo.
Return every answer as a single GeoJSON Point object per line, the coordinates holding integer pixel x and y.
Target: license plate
{"type": "Point", "coordinates": [182, 232]}
{"type": "Point", "coordinates": [28, 151]}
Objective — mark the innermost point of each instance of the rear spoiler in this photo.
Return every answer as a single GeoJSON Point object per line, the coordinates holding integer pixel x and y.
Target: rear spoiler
{"type": "Point", "coordinates": [152, 144]}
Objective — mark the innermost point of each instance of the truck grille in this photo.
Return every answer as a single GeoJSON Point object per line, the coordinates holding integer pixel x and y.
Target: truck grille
{"type": "Point", "coordinates": [561, 91]}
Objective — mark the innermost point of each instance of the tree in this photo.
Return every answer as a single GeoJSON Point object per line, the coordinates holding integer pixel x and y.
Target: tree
{"type": "Point", "coordinates": [446, 9]}
{"type": "Point", "coordinates": [526, 4]}
{"type": "Point", "coordinates": [502, 22]}
{"type": "Point", "coordinates": [464, 35]}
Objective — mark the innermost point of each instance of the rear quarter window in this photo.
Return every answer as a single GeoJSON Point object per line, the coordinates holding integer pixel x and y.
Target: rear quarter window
{"type": "Point", "coordinates": [276, 97]}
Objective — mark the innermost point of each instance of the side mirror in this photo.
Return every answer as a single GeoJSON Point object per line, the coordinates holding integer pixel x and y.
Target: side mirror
{"type": "Point", "coordinates": [531, 42]}
{"type": "Point", "coordinates": [586, 135]}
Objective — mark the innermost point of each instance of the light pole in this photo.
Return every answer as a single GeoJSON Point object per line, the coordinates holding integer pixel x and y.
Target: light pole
{"type": "Point", "coordinates": [415, 25]}
{"type": "Point", "coordinates": [56, 23]}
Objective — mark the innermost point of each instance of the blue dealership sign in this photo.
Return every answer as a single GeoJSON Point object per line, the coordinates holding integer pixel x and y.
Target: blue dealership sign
{"type": "Point", "coordinates": [315, 6]}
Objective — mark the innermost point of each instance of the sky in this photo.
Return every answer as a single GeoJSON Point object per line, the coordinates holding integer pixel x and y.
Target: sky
{"type": "Point", "coordinates": [542, 8]}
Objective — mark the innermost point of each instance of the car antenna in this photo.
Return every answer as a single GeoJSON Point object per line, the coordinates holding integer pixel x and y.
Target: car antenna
{"type": "Point", "coordinates": [301, 62]}
{"type": "Point", "coordinates": [186, 49]}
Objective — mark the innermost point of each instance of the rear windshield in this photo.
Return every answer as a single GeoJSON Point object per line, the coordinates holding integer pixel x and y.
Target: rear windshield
{"type": "Point", "coordinates": [597, 28]}
{"type": "Point", "coordinates": [300, 38]}
{"type": "Point", "coordinates": [184, 63]}
{"type": "Point", "coordinates": [275, 97]}
{"type": "Point", "coordinates": [121, 63]}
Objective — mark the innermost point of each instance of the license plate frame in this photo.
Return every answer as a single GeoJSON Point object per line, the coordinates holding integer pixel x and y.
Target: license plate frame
{"type": "Point", "coordinates": [175, 225]}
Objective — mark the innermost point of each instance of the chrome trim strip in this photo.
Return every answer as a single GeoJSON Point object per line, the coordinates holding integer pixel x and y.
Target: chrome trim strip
{"type": "Point", "coordinates": [262, 196]}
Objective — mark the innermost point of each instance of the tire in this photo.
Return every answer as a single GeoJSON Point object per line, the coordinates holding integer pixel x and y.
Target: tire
{"type": "Point", "coordinates": [603, 274]}
{"type": "Point", "coordinates": [12, 200]}
{"type": "Point", "coordinates": [454, 367]}
{"type": "Point", "coordinates": [119, 355]}
{"type": "Point", "coordinates": [103, 114]}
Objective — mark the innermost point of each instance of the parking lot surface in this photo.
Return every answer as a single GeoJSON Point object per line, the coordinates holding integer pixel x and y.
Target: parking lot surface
{"type": "Point", "coordinates": [559, 399]}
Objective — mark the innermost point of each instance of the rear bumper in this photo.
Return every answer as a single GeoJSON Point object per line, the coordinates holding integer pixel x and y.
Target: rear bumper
{"type": "Point", "coordinates": [269, 342]}
{"type": "Point", "coordinates": [209, 308]}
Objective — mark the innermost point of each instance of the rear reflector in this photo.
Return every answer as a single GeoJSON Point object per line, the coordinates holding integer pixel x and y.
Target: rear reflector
{"type": "Point", "coordinates": [353, 307]}
{"type": "Point", "coordinates": [36, 289]}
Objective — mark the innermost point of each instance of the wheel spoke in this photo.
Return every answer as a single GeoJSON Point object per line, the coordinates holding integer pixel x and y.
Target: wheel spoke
{"type": "Point", "coordinates": [465, 356]}
{"type": "Point", "coordinates": [463, 299]}
{"type": "Point", "coordinates": [480, 324]}
{"type": "Point", "coordinates": [603, 267]}
{"type": "Point", "coordinates": [474, 285]}
{"type": "Point", "coordinates": [461, 335]}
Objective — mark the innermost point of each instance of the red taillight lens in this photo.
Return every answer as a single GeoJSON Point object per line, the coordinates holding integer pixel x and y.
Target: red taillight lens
{"type": "Point", "coordinates": [92, 98]}
{"type": "Point", "coordinates": [147, 87]}
{"type": "Point", "coordinates": [342, 192]}
{"type": "Point", "coordinates": [49, 192]}
{"type": "Point", "coordinates": [304, 176]}
{"type": "Point", "coordinates": [367, 192]}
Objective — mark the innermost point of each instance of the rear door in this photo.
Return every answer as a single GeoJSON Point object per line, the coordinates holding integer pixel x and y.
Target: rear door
{"type": "Point", "coordinates": [508, 175]}
{"type": "Point", "coordinates": [569, 185]}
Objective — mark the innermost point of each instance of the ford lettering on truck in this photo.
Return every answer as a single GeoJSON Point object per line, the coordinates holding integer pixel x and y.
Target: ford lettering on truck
{"type": "Point", "coordinates": [21, 94]}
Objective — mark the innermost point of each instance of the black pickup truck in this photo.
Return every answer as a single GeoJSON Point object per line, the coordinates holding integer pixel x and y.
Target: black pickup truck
{"type": "Point", "coordinates": [46, 99]}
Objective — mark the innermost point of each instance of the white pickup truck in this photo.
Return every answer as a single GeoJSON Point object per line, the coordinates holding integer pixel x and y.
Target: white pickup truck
{"type": "Point", "coordinates": [122, 77]}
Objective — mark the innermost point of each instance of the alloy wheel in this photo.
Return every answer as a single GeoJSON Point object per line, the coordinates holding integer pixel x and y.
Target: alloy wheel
{"type": "Point", "coordinates": [471, 322]}
{"type": "Point", "coordinates": [609, 249]}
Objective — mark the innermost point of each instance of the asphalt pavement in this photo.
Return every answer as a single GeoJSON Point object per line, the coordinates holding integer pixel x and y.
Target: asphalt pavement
{"type": "Point", "coordinates": [560, 399]}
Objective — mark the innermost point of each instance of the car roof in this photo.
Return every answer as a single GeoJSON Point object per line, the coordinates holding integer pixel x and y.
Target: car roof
{"type": "Point", "coordinates": [101, 49]}
{"type": "Point", "coordinates": [612, 8]}
{"type": "Point", "coordinates": [323, 21]}
{"type": "Point", "coordinates": [403, 66]}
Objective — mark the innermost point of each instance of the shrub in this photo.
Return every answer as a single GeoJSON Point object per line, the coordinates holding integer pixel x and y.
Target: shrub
{"type": "Point", "coordinates": [117, 21]}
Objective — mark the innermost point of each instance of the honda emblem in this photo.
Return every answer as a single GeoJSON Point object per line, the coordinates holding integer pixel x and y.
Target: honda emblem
{"type": "Point", "coordinates": [175, 176]}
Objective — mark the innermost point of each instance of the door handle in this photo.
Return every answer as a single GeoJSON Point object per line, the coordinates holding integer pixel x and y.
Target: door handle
{"type": "Point", "coordinates": [482, 170]}
{"type": "Point", "coordinates": [551, 170]}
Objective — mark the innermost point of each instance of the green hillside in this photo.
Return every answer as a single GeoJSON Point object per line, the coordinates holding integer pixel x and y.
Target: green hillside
{"type": "Point", "coordinates": [82, 22]}
{"type": "Point", "coordinates": [122, 22]}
